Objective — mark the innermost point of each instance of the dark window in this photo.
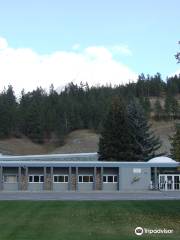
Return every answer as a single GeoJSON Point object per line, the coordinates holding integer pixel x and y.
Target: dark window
{"type": "Point", "coordinates": [55, 178]}
{"type": "Point", "coordinates": [110, 178]}
{"type": "Point", "coordinates": [36, 178]}
{"type": "Point", "coordinates": [104, 178]}
{"type": "Point", "coordinates": [30, 178]}
{"type": "Point", "coordinates": [115, 178]}
{"type": "Point", "coordinates": [41, 178]}
{"type": "Point", "coordinates": [61, 179]}
{"type": "Point", "coordinates": [85, 178]}
{"type": "Point", "coordinates": [66, 178]}
{"type": "Point", "coordinates": [91, 178]}
{"type": "Point", "coordinates": [80, 179]}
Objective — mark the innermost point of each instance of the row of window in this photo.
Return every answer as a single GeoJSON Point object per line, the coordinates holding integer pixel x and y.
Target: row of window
{"type": "Point", "coordinates": [61, 178]}
{"type": "Point", "coordinates": [112, 178]}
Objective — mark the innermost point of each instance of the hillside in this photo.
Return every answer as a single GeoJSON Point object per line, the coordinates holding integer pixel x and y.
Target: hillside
{"type": "Point", "coordinates": [78, 141]}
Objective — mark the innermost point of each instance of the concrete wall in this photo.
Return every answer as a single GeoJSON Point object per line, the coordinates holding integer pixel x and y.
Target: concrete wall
{"type": "Point", "coordinates": [110, 187]}
{"type": "Point", "coordinates": [35, 186]}
{"type": "Point", "coordinates": [85, 171]}
{"type": "Point", "coordinates": [126, 176]}
{"type": "Point", "coordinates": [63, 171]}
{"type": "Point", "coordinates": [60, 187]}
{"type": "Point", "coordinates": [10, 186]}
{"type": "Point", "coordinates": [127, 179]}
{"type": "Point", "coordinates": [35, 170]}
{"type": "Point", "coordinates": [83, 187]}
{"type": "Point", "coordinates": [110, 171]}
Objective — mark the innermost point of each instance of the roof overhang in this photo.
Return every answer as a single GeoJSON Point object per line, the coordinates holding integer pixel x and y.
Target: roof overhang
{"type": "Point", "coordinates": [52, 163]}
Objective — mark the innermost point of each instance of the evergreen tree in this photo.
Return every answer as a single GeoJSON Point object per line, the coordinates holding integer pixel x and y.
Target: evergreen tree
{"type": "Point", "coordinates": [171, 107]}
{"type": "Point", "coordinates": [145, 143]}
{"type": "Point", "coordinates": [116, 142]}
{"type": "Point", "coordinates": [146, 104]}
{"type": "Point", "coordinates": [158, 110]}
{"type": "Point", "coordinates": [175, 144]}
{"type": "Point", "coordinates": [8, 113]}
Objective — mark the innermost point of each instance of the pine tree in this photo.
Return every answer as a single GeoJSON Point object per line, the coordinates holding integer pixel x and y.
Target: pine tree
{"type": "Point", "coordinates": [158, 110]}
{"type": "Point", "coordinates": [171, 106]}
{"type": "Point", "coordinates": [175, 143]}
{"type": "Point", "coordinates": [116, 142]}
{"type": "Point", "coordinates": [146, 144]}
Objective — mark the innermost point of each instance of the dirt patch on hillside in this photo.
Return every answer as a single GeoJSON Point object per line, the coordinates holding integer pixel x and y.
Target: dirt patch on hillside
{"type": "Point", "coordinates": [164, 130]}
{"type": "Point", "coordinates": [21, 146]}
{"type": "Point", "coordinates": [79, 141]}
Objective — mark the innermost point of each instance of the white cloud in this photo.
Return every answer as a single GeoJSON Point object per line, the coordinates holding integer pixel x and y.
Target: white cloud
{"type": "Point", "coordinates": [3, 43]}
{"type": "Point", "coordinates": [121, 49]}
{"type": "Point", "coordinates": [76, 46]}
{"type": "Point", "coordinates": [24, 68]}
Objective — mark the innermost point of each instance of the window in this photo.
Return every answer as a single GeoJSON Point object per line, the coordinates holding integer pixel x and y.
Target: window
{"type": "Point", "coordinates": [110, 179]}
{"type": "Point", "coordinates": [85, 178]}
{"type": "Point", "coordinates": [36, 178]}
{"type": "Point", "coordinates": [60, 178]}
{"type": "Point", "coordinates": [136, 170]}
{"type": "Point", "coordinates": [10, 178]}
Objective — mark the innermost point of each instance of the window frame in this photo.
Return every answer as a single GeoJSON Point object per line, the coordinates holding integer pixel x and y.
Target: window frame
{"type": "Point", "coordinates": [61, 175]}
{"type": "Point", "coordinates": [90, 178]}
{"type": "Point", "coordinates": [110, 175]}
{"type": "Point", "coordinates": [12, 175]}
{"type": "Point", "coordinates": [35, 175]}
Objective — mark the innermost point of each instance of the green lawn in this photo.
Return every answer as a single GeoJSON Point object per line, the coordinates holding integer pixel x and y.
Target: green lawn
{"type": "Point", "coordinates": [110, 220]}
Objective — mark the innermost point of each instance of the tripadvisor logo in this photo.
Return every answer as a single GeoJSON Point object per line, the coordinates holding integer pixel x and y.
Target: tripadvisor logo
{"type": "Point", "coordinates": [139, 231]}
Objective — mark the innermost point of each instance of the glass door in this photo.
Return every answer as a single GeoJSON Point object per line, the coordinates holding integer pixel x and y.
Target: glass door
{"type": "Point", "coordinates": [176, 182]}
{"type": "Point", "coordinates": [170, 185]}
{"type": "Point", "coordinates": [162, 182]}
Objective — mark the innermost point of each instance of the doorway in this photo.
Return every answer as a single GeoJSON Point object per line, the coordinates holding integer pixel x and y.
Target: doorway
{"type": "Point", "coordinates": [168, 182]}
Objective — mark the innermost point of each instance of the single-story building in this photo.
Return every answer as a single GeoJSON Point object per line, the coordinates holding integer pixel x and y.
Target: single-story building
{"type": "Point", "coordinates": [83, 172]}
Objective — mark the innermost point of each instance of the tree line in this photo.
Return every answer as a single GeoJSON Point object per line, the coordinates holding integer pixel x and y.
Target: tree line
{"type": "Point", "coordinates": [126, 133]}
{"type": "Point", "coordinates": [42, 115]}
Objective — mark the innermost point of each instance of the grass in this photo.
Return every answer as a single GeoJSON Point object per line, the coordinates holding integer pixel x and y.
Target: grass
{"type": "Point", "coordinates": [76, 220]}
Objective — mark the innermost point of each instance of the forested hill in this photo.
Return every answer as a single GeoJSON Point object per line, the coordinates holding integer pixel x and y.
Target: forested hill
{"type": "Point", "coordinates": [42, 116]}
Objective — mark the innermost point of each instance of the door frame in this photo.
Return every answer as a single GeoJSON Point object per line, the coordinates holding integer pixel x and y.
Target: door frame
{"type": "Point", "coordinates": [165, 186]}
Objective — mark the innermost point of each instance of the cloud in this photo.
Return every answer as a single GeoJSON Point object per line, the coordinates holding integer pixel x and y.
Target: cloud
{"type": "Point", "coordinates": [25, 68]}
{"type": "Point", "coordinates": [76, 46]}
{"type": "Point", "coordinates": [121, 49]}
{"type": "Point", "coordinates": [3, 43]}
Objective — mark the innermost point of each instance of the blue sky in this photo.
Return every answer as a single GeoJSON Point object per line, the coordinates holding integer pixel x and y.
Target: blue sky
{"type": "Point", "coordinates": [138, 35]}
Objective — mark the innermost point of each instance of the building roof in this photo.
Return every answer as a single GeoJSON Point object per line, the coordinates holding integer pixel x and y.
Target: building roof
{"type": "Point", "coordinates": [53, 157]}
{"type": "Point", "coordinates": [162, 159]}
{"type": "Point", "coordinates": [79, 160]}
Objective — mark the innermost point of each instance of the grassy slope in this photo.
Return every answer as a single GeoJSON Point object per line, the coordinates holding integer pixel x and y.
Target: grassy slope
{"type": "Point", "coordinates": [78, 141]}
{"type": "Point", "coordinates": [86, 220]}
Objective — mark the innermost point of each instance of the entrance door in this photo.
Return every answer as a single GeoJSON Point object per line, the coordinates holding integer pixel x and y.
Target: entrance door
{"type": "Point", "coordinates": [176, 182]}
{"type": "Point", "coordinates": [169, 182]}
{"type": "Point", "coordinates": [162, 182]}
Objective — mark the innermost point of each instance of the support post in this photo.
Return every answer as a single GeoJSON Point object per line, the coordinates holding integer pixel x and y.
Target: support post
{"type": "Point", "coordinates": [155, 178]}
{"type": "Point", "coordinates": [94, 179]}
{"type": "Point", "coordinates": [27, 178]}
{"type": "Point", "coordinates": [45, 179]}
{"type": "Point", "coordinates": [19, 179]}
{"type": "Point", "coordinates": [77, 180]}
{"type": "Point", "coordinates": [1, 178]}
{"type": "Point", "coordinates": [118, 178]}
{"type": "Point", "coordinates": [70, 179]}
{"type": "Point", "coordinates": [52, 177]}
{"type": "Point", "coordinates": [102, 172]}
